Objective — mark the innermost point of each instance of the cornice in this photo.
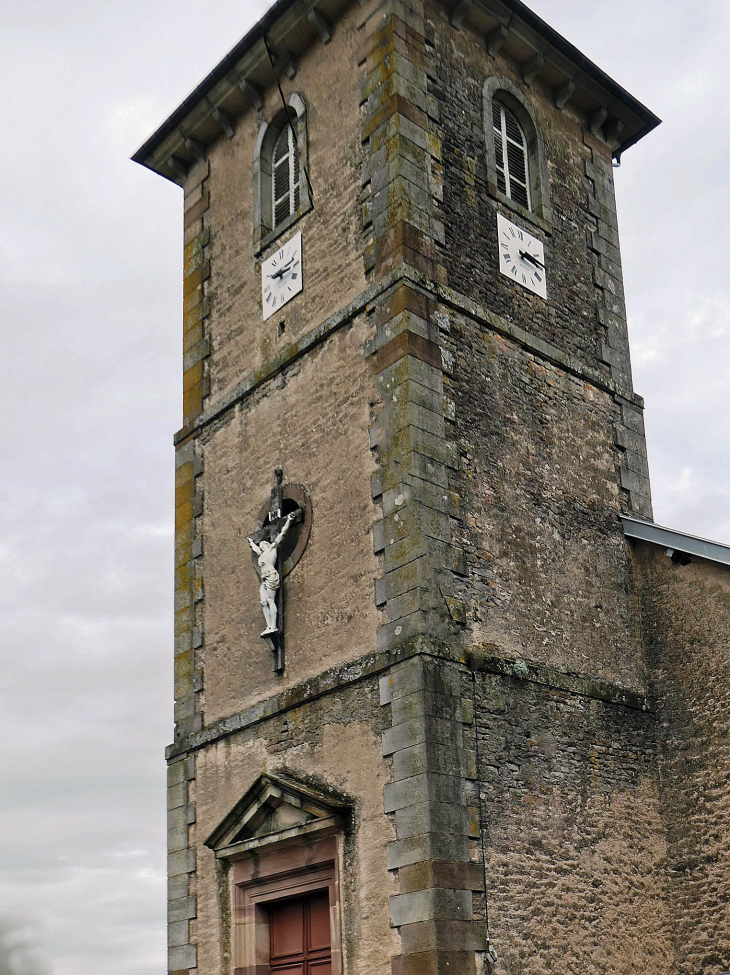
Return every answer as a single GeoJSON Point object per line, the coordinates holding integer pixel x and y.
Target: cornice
{"type": "Point", "coordinates": [239, 81]}
{"type": "Point", "coordinates": [376, 292]}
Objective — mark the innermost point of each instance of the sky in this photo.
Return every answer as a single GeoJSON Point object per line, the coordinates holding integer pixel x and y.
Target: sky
{"type": "Point", "coordinates": [90, 279]}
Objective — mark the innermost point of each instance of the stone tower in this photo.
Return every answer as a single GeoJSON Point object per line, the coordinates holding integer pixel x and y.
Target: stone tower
{"type": "Point", "coordinates": [410, 436]}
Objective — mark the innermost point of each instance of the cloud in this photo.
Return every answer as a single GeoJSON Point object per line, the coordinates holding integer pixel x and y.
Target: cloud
{"type": "Point", "coordinates": [20, 952]}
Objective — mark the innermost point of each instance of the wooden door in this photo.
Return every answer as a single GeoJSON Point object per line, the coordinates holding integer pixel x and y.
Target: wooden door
{"type": "Point", "coordinates": [299, 934]}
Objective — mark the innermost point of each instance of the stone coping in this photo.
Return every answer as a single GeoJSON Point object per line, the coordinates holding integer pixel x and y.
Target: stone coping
{"type": "Point", "coordinates": [483, 659]}
{"type": "Point", "coordinates": [404, 274]}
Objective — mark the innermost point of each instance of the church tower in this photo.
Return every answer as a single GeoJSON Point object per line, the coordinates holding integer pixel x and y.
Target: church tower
{"type": "Point", "coordinates": [415, 730]}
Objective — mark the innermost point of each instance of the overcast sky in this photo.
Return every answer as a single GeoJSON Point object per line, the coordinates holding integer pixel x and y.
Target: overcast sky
{"type": "Point", "coordinates": [90, 278]}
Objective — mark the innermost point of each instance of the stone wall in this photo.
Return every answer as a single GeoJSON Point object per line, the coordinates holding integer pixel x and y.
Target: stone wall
{"type": "Point", "coordinates": [572, 829]}
{"type": "Point", "coordinates": [312, 420]}
{"type": "Point", "coordinates": [332, 741]}
{"type": "Point", "coordinates": [539, 507]}
{"type": "Point", "coordinates": [332, 259]}
{"type": "Point", "coordinates": [686, 620]}
{"type": "Point", "coordinates": [585, 315]}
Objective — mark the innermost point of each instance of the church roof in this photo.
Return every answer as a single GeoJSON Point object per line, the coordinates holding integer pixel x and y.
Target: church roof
{"type": "Point", "coordinates": [291, 26]}
{"type": "Point", "coordinates": [674, 541]}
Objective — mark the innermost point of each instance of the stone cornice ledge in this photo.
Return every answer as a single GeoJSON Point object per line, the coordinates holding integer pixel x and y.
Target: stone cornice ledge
{"type": "Point", "coordinates": [379, 289]}
{"type": "Point", "coordinates": [480, 659]}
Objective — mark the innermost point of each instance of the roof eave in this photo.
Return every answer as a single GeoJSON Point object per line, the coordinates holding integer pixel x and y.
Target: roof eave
{"type": "Point", "coordinates": [223, 94]}
{"type": "Point", "coordinates": [676, 541]}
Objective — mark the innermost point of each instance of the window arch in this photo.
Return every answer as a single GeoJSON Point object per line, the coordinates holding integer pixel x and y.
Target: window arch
{"type": "Point", "coordinates": [516, 158]}
{"type": "Point", "coordinates": [281, 190]}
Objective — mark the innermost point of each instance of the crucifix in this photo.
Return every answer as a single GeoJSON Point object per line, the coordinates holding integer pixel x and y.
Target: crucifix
{"type": "Point", "coordinates": [266, 545]}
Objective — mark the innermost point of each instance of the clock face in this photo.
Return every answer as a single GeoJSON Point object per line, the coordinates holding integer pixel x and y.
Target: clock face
{"type": "Point", "coordinates": [281, 276]}
{"type": "Point", "coordinates": [521, 256]}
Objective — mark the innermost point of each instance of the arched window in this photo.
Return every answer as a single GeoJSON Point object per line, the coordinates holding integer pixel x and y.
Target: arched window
{"type": "Point", "coordinates": [516, 154]}
{"type": "Point", "coordinates": [281, 190]}
{"type": "Point", "coordinates": [286, 170]}
{"type": "Point", "coordinates": [511, 156]}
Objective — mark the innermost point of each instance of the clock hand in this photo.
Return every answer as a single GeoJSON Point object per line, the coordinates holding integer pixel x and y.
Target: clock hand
{"type": "Point", "coordinates": [282, 270]}
{"type": "Point", "coordinates": [533, 260]}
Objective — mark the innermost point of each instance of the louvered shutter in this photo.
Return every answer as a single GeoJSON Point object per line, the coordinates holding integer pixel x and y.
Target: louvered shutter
{"type": "Point", "coordinates": [285, 176]}
{"type": "Point", "coordinates": [510, 149]}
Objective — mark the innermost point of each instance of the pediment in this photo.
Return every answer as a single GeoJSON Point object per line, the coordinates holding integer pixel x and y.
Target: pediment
{"type": "Point", "coordinates": [276, 808]}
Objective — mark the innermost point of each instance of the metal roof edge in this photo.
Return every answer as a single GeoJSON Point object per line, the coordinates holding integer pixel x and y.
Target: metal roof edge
{"type": "Point", "coordinates": [647, 531]}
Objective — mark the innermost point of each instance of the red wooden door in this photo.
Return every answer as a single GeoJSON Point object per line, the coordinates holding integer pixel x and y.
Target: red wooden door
{"type": "Point", "coordinates": [299, 933]}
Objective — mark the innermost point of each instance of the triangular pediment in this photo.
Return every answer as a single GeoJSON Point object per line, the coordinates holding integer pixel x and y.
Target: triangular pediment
{"type": "Point", "coordinates": [274, 809]}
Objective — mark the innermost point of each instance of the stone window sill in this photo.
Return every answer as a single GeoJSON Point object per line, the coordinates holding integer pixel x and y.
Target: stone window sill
{"type": "Point", "coordinates": [544, 222]}
{"type": "Point", "coordinates": [264, 242]}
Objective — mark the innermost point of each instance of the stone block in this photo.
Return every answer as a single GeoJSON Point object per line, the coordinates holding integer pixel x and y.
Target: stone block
{"type": "Point", "coordinates": [427, 702]}
{"type": "Point", "coordinates": [177, 887]}
{"type": "Point", "coordinates": [176, 818]}
{"type": "Point", "coordinates": [177, 838]}
{"type": "Point", "coordinates": [424, 492]}
{"type": "Point", "coordinates": [177, 795]}
{"type": "Point", "coordinates": [413, 520]}
{"type": "Point", "coordinates": [420, 729]}
{"type": "Point", "coordinates": [424, 441]}
{"type": "Point", "coordinates": [388, 380]}
{"type": "Point", "coordinates": [378, 537]}
{"type": "Point", "coordinates": [435, 963]}
{"type": "Point", "coordinates": [178, 933]}
{"type": "Point", "coordinates": [397, 633]}
{"type": "Point", "coordinates": [424, 674]}
{"type": "Point", "coordinates": [428, 757]}
{"type": "Point", "coordinates": [182, 862]}
{"type": "Point", "coordinates": [416, 465]}
{"type": "Point", "coordinates": [405, 605]}
{"type": "Point", "coordinates": [412, 100]}
{"type": "Point", "coordinates": [637, 463]}
{"type": "Point", "coordinates": [183, 957]}
{"type": "Point", "coordinates": [617, 360]}
{"type": "Point", "coordinates": [417, 193]}
{"type": "Point", "coordinates": [404, 547]}
{"type": "Point", "coordinates": [629, 439]}
{"type": "Point", "coordinates": [381, 592]}
{"type": "Point", "coordinates": [446, 935]}
{"type": "Point", "coordinates": [633, 419]}
{"type": "Point", "coordinates": [430, 904]}
{"type": "Point", "coordinates": [601, 246]}
{"type": "Point", "coordinates": [427, 846]}
{"type": "Point", "coordinates": [414, 574]}
{"type": "Point", "coordinates": [431, 817]}
{"type": "Point", "coordinates": [441, 873]}
{"type": "Point", "coordinates": [176, 772]}
{"type": "Point", "coordinates": [181, 908]}
{"type": "Point", "coordinates": [634, 482]}
{"type": "Point", "coordinates": [400, 166]}
{"type": "Point", "coordinates": [401, 415]}
{"type": "Point", "coordinates": [422, 788]}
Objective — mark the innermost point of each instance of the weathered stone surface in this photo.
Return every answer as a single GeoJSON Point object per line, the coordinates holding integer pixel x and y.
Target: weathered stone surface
{"type": "Point", "coordinates": [573, 830]}
{"type": "Point", "coordinates": [468, 450]}
{"type": "Point", "coordinates": [686, 621]}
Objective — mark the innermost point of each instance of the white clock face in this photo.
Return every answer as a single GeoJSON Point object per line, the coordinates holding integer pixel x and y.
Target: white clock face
{"type": "Point", "coordinates": [521, 256]}
{"type": "Point", "coordinates": [281, 276]}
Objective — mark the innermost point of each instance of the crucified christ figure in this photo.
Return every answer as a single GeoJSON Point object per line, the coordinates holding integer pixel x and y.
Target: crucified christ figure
{"type": "Point", "coordinates": [268, 553]}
